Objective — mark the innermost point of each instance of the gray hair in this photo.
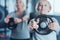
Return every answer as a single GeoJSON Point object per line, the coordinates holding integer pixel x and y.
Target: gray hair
{"type": "Point", "coordinates": [38, 4]}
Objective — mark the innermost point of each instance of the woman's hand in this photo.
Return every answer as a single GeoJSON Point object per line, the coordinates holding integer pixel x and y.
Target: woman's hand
{"type": "Point", "coordinates": [33, 24]}
{"type": "Point", "coordinates": [6, 20]}
{"type": "Point", "coordinates": [53, 26]}
{"type": "Point", "coordinates": [17, 20]}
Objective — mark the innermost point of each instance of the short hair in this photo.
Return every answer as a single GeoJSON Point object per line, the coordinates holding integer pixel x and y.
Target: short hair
{"type": "Point", "coordinates": [19, 1]}
{"type": "Point", "coordinates": [38, 4]}
{"type": "Point", "coordinates": [22, 2]}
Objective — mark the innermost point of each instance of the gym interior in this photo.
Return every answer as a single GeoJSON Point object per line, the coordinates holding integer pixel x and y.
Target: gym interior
{"type": "Point", "coordinates": [7, 6]}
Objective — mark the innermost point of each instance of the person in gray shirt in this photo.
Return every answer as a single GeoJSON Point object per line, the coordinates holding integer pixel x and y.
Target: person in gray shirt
{"type": "Point", "coordinates": [43, 7]}
{"type": "Point", "coordinates": [21, 18]}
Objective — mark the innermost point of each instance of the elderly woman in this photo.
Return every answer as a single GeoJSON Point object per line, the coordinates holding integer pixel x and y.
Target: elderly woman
{"type": "Point", "coordinates": [44, 7]}
{"type": "Point", "coordinates": [22, 30]}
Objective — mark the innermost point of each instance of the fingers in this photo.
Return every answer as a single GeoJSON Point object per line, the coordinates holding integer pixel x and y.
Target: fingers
{"type": "Point", "coordinates": [52, 26]}
{"type": "Point", "coordinates": [38, 20]}
{"type": "Point", "coordinates": [49, 20]}
{"type": "Point", "coordinates": [17, 20]}
{"type": "Point", "coordinates": [6, 20]}
{"type": "Point", "coordinates": [33, 24]}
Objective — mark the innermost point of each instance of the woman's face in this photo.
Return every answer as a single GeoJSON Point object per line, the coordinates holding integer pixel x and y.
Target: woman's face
{"type": "Point", "coordinates": [44, 7]}
{"type": "Point", "coordinates": [19, 5]}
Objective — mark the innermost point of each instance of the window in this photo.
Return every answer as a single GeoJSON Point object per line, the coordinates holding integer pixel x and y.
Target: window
{"type": "Point", "coordinates": [55, 7]}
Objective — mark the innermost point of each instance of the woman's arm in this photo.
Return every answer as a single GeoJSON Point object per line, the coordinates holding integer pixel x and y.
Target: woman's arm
{"type": "Point", "coordinates": [6, 20]}
{"type": "Point", "coordinates": [18, 20]}
{"type": "Point", "coordinates": [24, 18]}
{"type": "Point", "coordinates": [33, 24]}
{"type": "Point", "coordinates": [54, 26]}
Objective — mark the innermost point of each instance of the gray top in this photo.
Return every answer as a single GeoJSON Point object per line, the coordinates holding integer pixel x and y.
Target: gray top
{"type": "Point", "coordinates": [22, 30]}
{"type": "Point", "coordinates": [51, 36]}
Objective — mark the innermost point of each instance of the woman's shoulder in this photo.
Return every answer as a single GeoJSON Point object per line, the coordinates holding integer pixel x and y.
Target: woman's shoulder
{"type": "Point", "coordinates": [11, 13]}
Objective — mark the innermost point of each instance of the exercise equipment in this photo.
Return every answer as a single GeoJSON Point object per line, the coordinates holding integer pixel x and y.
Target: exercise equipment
{"type": "Point", "coordinates": [3, 14]}
{"type": "Point", "coordinates": [11, 24]}
{"type": "Point", "coordinates": [43, 28]}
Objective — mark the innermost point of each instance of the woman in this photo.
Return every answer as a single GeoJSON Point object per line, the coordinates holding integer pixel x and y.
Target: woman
{"type": "Point", "coordinates": [44, 7]}
{"type": "Point", "coordinates": [22, 30]}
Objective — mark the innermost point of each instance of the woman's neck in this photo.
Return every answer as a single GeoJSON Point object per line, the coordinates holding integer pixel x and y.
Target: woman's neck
{"type": "Point", "coordinates": [19, 11]}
